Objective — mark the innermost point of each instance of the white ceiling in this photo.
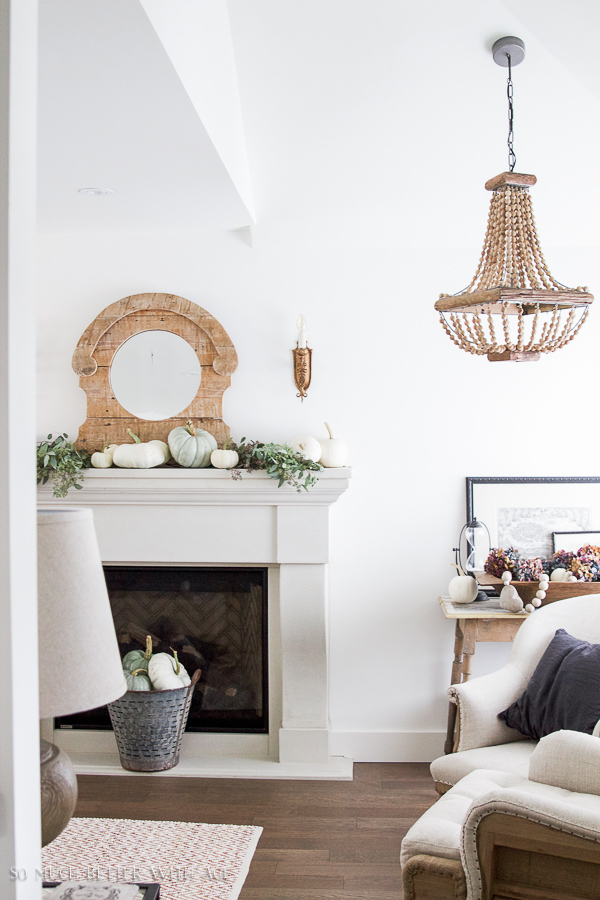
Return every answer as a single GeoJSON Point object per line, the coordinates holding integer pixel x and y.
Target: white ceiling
{"type": "Point", "coordinates": [367, 120]}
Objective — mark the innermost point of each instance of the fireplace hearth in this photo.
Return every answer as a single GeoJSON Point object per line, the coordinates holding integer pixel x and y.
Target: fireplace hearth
{"type": "Point", "coordinates": [216, 620]}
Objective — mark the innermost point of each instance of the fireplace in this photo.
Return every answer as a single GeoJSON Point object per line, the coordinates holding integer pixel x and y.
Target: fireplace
{"type": "Point", "coordinates": [216, 621]}
{"type": "Point", "coordinates": [203, 519]}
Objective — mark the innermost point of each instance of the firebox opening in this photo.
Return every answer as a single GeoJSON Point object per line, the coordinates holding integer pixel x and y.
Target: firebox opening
{"type": "Point", "coordinates": [216, 620]}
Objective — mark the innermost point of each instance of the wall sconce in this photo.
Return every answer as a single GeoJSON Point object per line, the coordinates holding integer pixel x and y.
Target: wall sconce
{"type": "Point", "coordinates": [302, 359]}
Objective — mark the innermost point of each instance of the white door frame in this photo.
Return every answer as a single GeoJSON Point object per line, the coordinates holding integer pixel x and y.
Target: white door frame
{"type": "Point", "coordinates": [20, 832]}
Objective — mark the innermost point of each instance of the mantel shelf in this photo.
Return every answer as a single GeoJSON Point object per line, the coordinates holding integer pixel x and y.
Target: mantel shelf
{"type": "Point", "coordinates": [165, 486]}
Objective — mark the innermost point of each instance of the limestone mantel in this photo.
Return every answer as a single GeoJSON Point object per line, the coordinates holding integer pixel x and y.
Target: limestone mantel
{"type": "Point", "coordinates": [205, 517]}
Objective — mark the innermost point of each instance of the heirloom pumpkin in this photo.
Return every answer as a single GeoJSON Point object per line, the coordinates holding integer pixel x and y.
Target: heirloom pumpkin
{"type": "Point", "coordinates": [191, 447]}
{"type": "Point", "coordinates": [141, 455]}
{"type": "Point", "coordinates": [138, 659]}
{"type": "Point", "coordinates": [137, 680]}
{"type": "Point", "coordinates": [166, 672]}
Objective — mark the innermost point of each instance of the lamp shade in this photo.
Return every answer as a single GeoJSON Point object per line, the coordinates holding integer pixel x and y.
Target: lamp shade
{"type": "Point", "coordinates": [79, 661]}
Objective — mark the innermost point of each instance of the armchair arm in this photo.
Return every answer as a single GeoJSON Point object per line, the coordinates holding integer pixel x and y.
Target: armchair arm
{"type": "Point", "coordinates": [567, 759]}
{"type": "Point", "coordinates": [529, 840]}
{"type": "Point", "coordinates": [528, 859]}
{"type": "Point", "coordinates": [479, 702]}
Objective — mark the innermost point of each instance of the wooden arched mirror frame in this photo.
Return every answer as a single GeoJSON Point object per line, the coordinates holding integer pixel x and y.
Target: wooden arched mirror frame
{"type": "Point", "coordinates": [107, 421]}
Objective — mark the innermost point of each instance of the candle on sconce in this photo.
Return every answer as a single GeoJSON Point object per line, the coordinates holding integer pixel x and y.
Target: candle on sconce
{"type": "Point", "coordinates": [301, 326]}
{"type": "Point", "coordinates": [302, 359]}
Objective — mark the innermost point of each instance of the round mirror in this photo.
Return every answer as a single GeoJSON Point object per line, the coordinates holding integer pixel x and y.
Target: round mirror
{"type": "Point", "coordinates": [155, 375]}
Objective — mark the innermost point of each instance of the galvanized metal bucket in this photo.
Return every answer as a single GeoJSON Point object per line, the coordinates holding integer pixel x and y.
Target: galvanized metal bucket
{"type": "Point", "coordinates": [149, 725]}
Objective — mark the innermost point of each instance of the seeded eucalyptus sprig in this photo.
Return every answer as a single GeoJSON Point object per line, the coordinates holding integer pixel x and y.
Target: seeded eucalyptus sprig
{"type": "Point", "coordinates": [278, 461]}
{"type": "Point", "coordinates": [59, 461]}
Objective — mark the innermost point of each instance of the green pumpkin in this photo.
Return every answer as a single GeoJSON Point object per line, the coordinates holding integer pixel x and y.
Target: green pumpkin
{"type": "Point", "coordinates": [138, 659]}
{"type": "Point", "coordinates": [190, 447]}
{"type": "Point", "coordinates": [137, 680]}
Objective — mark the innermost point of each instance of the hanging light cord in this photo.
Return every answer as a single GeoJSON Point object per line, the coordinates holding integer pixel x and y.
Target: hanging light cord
{"type": "Point", "coordinates": [512, 159]}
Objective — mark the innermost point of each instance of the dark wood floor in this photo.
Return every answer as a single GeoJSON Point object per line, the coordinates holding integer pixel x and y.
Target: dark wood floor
{"type": "Point", "coordinates": [322, 840]}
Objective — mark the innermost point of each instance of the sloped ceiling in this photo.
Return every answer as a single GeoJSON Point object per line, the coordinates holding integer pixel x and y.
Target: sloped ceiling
{"type": "Point", "coordinates": [360, 119]}
{"type": "Point", "coordinates": [117, 112]}
{"type": "Point", "coordinates": [569, 31]}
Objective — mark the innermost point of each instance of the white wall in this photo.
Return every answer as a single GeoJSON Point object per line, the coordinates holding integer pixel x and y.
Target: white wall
{"type": "Point", "coordinates": [419, 415]}
{"type": "Point", "coordinates": [370, 135]}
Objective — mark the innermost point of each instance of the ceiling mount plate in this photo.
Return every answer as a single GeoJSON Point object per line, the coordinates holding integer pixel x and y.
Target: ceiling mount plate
{"type": "Point", "coordinates": [508, 46]}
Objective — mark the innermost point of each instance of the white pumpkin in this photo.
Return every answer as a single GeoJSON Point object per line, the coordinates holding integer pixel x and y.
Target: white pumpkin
{"type": "Point", "coordinates": [103, 459]}
{"type": "Point", "coordinates": [462, 589]}
{"type": "Point", "coordinates": [334, 453]}
{"type": "Point", "coordinates": [141, 455]}
{"type": "Point", "coordinates": [191, 447]}
{"type": "Point", "coordinates": [224, 459]}
{"type": "Point", "coordinates": [166, 672]}
{"type": "Point", "coordinates": [306, 446]}
{"type": "Point", "coordinates": [559, 574]}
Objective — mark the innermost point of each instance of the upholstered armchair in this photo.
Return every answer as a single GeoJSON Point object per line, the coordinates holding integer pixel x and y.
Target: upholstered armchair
{"type": "Point", "coordinates": [482, 740]}
{"type": "Point", "coordinates": [497, 835]}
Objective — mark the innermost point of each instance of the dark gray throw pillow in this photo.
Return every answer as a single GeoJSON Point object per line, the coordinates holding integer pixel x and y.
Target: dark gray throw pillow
{"type": "Point", "coordinates": [563, 692]}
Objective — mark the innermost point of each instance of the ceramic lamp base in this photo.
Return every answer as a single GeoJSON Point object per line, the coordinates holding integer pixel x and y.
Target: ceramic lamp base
{"type": "Point", "coordinates": [58, 789]}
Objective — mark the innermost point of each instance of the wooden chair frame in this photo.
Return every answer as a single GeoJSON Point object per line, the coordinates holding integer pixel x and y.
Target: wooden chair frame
{"type": "Point", "coordinates": [519, 859]}
{"type": "Point", "coordinates": [529, 860]}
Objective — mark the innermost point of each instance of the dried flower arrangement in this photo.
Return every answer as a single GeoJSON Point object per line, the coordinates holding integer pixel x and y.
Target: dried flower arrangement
{"type": "Point", "coordinates": [583, 565]}
{"type": "Point", "coordinates": [500, 561]}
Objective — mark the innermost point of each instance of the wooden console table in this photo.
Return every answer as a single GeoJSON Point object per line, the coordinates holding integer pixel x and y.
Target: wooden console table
{"type": "Point", "coordinates": [483, 620]}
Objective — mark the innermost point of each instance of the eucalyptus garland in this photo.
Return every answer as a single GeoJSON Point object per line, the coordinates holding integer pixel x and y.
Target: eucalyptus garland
{"type": "Point", "coordinates": [278, 461]}
{"type": "Point", "coordinates": [59, 462]}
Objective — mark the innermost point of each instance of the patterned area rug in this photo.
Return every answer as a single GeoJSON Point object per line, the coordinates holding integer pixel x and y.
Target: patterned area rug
{"type": "Point", "coordinates": [190, 861]}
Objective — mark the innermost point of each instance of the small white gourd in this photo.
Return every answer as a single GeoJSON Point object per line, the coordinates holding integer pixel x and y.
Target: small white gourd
{"type": "Point", "coordinates": [103, 459]}
{"type": "Point", "coordinates": [462, 589]}
{"type": "Point", "coordinates": [334, 453]}
{"type": "Point", "coordinates": [166, 672]}
{"type": "Point", "coordinates": [306, 446]}
{"type": "Point", "coordinates": [141, 455]}
{"type": "Point", "coordinates": [224, 459]}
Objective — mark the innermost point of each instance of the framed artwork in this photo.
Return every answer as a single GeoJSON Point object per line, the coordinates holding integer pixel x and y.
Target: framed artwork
{"type": "Point", "coordinates": [525, 513]}
{"type": "Point", "coordinates": [571, 541]}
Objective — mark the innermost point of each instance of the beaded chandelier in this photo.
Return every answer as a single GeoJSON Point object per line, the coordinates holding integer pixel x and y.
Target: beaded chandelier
{"type": "Point", "coordinates": [513, 309]}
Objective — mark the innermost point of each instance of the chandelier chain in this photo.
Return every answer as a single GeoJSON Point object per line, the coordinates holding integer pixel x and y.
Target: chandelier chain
{"type": "Point", "coordinates": [512, 159]}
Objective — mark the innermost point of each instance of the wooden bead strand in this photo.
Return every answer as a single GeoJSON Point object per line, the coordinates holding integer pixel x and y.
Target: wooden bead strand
{"type": "Point", "coordinates": [512, 279]}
